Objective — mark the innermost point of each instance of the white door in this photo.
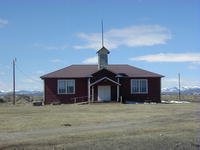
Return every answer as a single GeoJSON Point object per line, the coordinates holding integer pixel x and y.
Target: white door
{"type": "Point", "coordinates": [104, 93]}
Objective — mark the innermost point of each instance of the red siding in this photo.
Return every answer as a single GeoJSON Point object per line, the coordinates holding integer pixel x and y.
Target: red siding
{"type": "Point", "coordinates": [153, 90]}
{"type": "Point", "coordinates": [51, 95]}
{"type": "Point", "coordinates": [81, 89]}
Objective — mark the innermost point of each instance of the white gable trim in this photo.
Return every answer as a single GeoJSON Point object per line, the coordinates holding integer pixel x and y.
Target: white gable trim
{"type": "Point", "coordinates": [104, 79]}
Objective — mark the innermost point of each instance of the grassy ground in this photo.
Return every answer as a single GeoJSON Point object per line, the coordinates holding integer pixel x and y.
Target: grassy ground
{"type": "Point", "coordinates": [100, 126]}
{"type": "Point", "coordinates": [27, 99]}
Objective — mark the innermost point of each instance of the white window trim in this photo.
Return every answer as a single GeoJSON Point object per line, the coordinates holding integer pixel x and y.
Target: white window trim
{"type": "Point", "coordinates": [139, 87]}
{"type": "Point", "coordinates": [66, 86]}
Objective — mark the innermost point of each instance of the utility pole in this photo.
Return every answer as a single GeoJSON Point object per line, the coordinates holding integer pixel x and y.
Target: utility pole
{"type": "Point", "coordinates": [179, 87]}
{"type": "Point", "coordinates": [14, 101]}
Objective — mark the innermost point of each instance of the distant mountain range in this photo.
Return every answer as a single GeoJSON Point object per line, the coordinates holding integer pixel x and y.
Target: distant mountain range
{"type": "Point", "coordinates": [169, 91]}
{"type": "Point", "coordinates": [24, 92]}
{"type": "Point", "coordinates": [184, 90]}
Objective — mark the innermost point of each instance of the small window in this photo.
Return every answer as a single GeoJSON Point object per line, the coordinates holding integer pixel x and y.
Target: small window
{"type": "Point", "coordinates": [139, 86]}
{"type": "Point", "coordinates": [66, 86]}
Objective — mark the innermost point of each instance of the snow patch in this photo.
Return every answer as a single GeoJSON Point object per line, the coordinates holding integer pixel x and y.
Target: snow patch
{"type": "Point", "coordinates": [175, 102]}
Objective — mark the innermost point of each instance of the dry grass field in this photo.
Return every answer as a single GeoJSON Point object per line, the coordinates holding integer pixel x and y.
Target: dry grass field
{"type": "Point", "coordinates": [189, 98]}
{"type": "Point", "coordinates": [100, 126]}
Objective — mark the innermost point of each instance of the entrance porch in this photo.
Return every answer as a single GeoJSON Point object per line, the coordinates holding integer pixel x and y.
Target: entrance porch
{"type": "Point", "coordinates": [103, 90]}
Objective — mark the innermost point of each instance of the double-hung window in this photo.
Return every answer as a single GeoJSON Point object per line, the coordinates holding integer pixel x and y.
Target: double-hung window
{"type": "Point", "coordinates": [139, 86]}
{"type": "Point", "coordinates": [66, 86]}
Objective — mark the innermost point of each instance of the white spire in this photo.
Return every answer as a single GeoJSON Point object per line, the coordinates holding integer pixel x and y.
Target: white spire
{"type": "Point", "coordinates": [102, 33]}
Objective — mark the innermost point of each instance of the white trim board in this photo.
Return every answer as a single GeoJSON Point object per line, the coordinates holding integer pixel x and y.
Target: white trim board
{"type": "Point", "coordinates": [104, 79]}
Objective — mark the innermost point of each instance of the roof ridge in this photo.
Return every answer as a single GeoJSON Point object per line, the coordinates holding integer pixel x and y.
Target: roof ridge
{"type": "Point", "coordinates": [82, 64]}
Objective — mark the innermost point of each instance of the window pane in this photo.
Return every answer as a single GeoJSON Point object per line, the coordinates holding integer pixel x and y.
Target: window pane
{"type": "Point", "coordinates": [61, 86]}
{"type": "Point", "coordinates": [70, 82]}
{"type": "Point", "coordinates": [70, 89]}
{"type": "Point", "coordinates": [143, 86]}
{"type": "Point", "coordinates": [70, 86]}
{"type": "Point", "coordinates": [135, 86]}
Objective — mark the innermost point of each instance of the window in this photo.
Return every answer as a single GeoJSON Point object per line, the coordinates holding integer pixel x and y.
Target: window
{"type": "Point", "coordinates": [66, 86]}
{"type": "Point", "coordinates": [139, 86]}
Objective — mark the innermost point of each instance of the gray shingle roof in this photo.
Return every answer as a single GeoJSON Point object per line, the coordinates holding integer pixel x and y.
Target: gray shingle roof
{"type": "Point", "coordinates": [81, 71]}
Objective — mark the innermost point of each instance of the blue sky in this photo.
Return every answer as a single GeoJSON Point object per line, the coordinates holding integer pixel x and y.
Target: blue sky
{"type": "Point", "coordinates": [158, 35]}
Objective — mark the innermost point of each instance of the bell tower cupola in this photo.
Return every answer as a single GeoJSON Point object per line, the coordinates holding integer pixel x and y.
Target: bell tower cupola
{"type": "Point", "coordinates": [103, 58]}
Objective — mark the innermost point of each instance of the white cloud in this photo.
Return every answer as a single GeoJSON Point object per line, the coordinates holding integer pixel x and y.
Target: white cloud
{"type": "Point", "coordinates": [56, 60]}
{"type": "Point", "coordinates": [32, 83]}
{"type": "Point", "coordinates": [1, 85]}
{"type": "Point", "coordinates": [39, 72]}
{"type": "Point", "coordinates": [173, 82]}
{"type": "Point", "coordinates": [91, 60]}
{"type": "Point", "coordinates": [32, 80]}
{"type": "Point", "coordinates": [143, 19]}
{"type": "Point", "coordinates": [2, 73]}
{"type": "Point", "coordinates": [28, 81]}
{"type": "Point", "coordinates": [56, 47]}
{"type": "Point", "coordinates": [141, 35]}
{"type": "Point", "coordinates": [170, 57]}
{"type": "Point", "coordinates": [61, 47]}
{"type": "Point", "coordinates": [5, 85]}
{"type": "Point", "coordinates": [35, 80]}
{"type": "Point", "coordinates": [29, 85]}
{"type": "Point", "coordinates": [193, 67]}
{"type": "Point", "coordinates": [3, 22]}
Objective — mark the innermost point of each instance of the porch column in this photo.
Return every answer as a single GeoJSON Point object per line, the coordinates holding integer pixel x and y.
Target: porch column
{"type": "Point", "coordinates": [92, 93]}
{"type": "Point", "coordinates": [118, 89]}
{"type": "Point", "coordinates": [89, 90]}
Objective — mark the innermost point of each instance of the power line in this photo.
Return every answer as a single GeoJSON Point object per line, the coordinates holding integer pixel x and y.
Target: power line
{"type": "Point", "coordinates": [26, 75]}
